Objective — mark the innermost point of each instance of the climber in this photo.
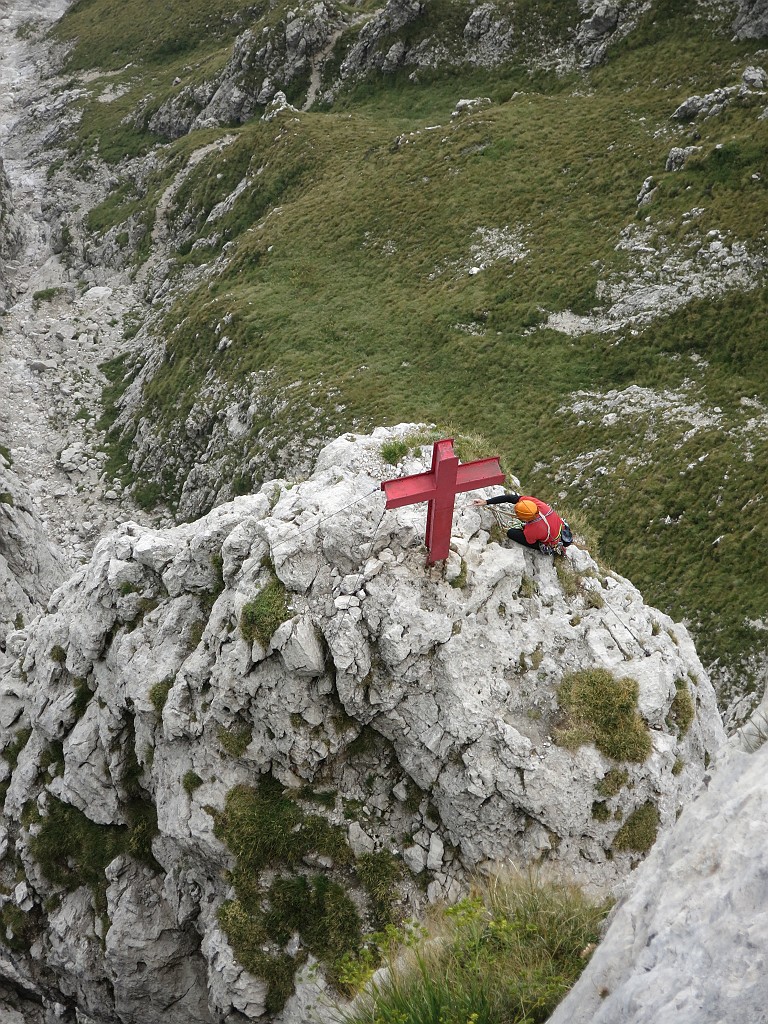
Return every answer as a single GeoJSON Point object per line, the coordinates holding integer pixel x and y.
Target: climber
{"type": "Point", "coordinates": [542, 526]}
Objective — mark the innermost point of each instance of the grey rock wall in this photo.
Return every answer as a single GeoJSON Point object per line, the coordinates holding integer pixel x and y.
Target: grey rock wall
{"type": "Point", "coordinates": [425, 697]}
{"type": "Point", "coordinates": [30, 566]}
{"type": "Point", "coordinates": [689, 943]}
{"type": "Point", "coordinates": [752, 20]}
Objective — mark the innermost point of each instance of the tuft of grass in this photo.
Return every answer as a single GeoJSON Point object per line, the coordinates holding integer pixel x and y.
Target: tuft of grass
{"type": "Point", "coordinates": [46, 294]}
{"type": "Point", "coordinates": [58, 654]}
{"type": "Point", "coordinates": [506, 955]}
{"type": "Point", "coordinates": [6, 498]}
{"type": "Point", "coordinates": [191, 782]}
{"type": "Point", "coordinates": [158, 695]}
{"type": "Point", "coordinates": [461, 579]}
{"type": "Point", "coordinates": [600, 810]}
{"type": "Point", "coordinates": [379, 874]}
{"type": "Point", "coordinates": [639, 831]}
{"type": "Point", "coordinates": [72, 850]}
{"type": "Point", "coordinates": [83, 695]}
{"type": "Point", "coordinates": [11, 751]}
{"type": "Point", "coordinates": [528, 587]}
{"type": "Point", "coordinates": [614, 780]}
{"type": "Point", "coordinates": [19, 929]}
{"type": "Point", "coordinates": [266, 828]}
{"type": "Point", "coordinates": [235, 741]}
{"type": "Point", "coordinates": [393, 451]}
{"type": "Point", "coordinates": [601, 709]}
{"type": "Point", "coordinates": [260, 617]}
{"type": "Point", "coordinates": [682, 711]}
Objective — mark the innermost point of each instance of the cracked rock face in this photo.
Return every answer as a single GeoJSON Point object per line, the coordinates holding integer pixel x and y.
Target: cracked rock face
{"type": "Point", "coordinates": [30, 566]}
{"type": "Point", "coordinates": [426, 698]}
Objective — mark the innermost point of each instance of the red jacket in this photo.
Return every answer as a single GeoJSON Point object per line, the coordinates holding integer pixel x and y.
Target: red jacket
{"type": "Point", "coordinates": [546, 526]}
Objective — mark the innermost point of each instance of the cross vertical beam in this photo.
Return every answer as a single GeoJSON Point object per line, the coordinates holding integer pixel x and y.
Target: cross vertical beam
{"type": "Point", "coordinates": [439, 488]}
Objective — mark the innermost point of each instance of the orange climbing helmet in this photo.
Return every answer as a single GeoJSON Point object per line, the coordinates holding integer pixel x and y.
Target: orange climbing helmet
{"type": "Point", "coordinates": [526, 510]}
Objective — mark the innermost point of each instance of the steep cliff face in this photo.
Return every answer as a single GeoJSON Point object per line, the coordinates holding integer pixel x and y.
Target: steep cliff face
{"type": "Point", "coordinates": [288, 667]}
{"type": "Point", "coordinates": [687, 942]}
{"type": "Point", "coordinates": [10, 233]}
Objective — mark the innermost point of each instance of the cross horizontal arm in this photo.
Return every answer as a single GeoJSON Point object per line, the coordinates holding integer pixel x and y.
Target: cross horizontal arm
{"type": "Point", "coordinates": [408, 490]}
{"type": "Point", "coordinates": [482, 473]}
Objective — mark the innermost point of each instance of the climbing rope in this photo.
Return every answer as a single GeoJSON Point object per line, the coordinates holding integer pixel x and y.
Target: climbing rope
{"type": "Point", "coordinates": [324, 519]}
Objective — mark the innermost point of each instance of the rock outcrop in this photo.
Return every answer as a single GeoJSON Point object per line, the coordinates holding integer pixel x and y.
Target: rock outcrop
{"type": "Point", "coordinates": [30, 566]}
{"type": "Point", "coordinates": [10, 233]}
{"type": "Point", "coordinates": [687, 943]}
{"type": "Point", "coordinates": [289, 658]}
{"type": "Point", "coordinates": [752, 20]}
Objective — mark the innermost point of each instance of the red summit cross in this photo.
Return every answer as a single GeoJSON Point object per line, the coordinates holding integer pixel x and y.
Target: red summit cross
{"type": "Point", "coordinates": [439, 487]}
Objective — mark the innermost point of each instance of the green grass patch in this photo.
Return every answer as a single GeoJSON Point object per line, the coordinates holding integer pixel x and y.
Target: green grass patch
{"type": "Point", "coordinates": [83, 695]}
{"type": "Point", "coordinates": [601, 709]}
{"type": "Point", "coordinates": [191, 782]}
{"type": "Point", "coordinates": [612, 783]}
{"type": "Point", "coordinates": [507, 955]}
{"type": "Point", "coordinates": [11, 751]}
{"type": "Point", "coordinates": [260, 617]}
{"type": "Point", "coordinates": [682, 710]}
{"type": "Point", "coordinates": [72, 850]}
{"type": "Point", "coordinates": [638, 833]}
{"type": "Point", "coordinates": [379, 873]}
{"type": "Point", "coordinates": [235, 740]}
{"type": "Point", "coordinates": [158, 695]}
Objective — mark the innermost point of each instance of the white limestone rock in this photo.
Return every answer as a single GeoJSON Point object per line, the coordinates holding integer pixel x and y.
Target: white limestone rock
{"type": "Point", "coordinates": [688, 942]}
{"type": "Point", "coordinates": [430, 709]}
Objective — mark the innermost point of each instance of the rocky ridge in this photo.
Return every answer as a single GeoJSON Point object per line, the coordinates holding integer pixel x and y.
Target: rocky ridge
{"type": "Point", "coordinates": [426, 700]}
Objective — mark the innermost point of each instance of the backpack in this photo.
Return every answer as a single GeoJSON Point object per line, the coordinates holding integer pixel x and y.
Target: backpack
{"type": "Point", "coordinates": [560, 543]}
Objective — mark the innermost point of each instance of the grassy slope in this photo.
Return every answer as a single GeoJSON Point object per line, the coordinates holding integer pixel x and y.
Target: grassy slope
{"type": "Point", "coordinates": [361, 280]}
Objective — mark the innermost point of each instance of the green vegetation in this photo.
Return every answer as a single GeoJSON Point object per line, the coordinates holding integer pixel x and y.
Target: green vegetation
{"type": "Point", "coordinates": [461, 579]}
{"type": "Point", "coordinates": [367, 313]}
{"type": "Point", "coordinates": [638, 833]}
{"type": "Point", "coordinates": [393, 451]}
{"type": "Point", "coordinates": [58, 654]}
{"type": "Point", "coordinates": [6, 498]}
{"type": "Point", "coordinates": [6, 454]}
{"type": "Point", "coordinates": [260, 617]}
{"type": "Point", "coordinates": [191, 782]}
{"type": "Point", "coordinates": [379, 874]}
{"type": "Point", "coordinates": [10, 753]}
{"type": "Point", "coordinates": [601, 709]}
{"type": "Point", "coordinates": [18, 930]}
{"type": "Point", "coordinates": [158, 695]}
{"type": "Point", "coordinates": [235, 740]}
{"type": "Point", "coordinates": [682, 710]}
{"type": "Point", "coordinates": [46, 294]}
{"type": "Point", "coordinates": [612, 783]}
{"type": "Point", "coordinates": [507, 955]}
{"type": "Point", "coordinates": [83, 695]}
{"type": "Point", "coordinates": [72, 850]}
{"type": "Point", "coordinates": [265, 828]}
